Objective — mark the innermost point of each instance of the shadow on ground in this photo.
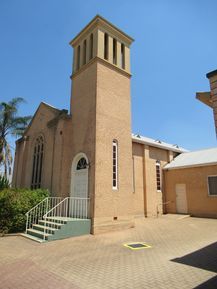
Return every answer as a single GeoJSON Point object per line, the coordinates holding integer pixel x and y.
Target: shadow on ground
{"type": "Point", "coordinates": [210, 284]}
{"type": "Point", "coordinates": [205, 258]}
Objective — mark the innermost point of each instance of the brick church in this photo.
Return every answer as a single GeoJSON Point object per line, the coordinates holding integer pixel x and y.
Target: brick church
{"type": "Point", "coordinates": [90, 151]}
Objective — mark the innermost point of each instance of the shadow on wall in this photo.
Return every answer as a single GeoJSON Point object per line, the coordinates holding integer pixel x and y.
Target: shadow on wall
{"type": "Point", "coordinates": [205, 259]}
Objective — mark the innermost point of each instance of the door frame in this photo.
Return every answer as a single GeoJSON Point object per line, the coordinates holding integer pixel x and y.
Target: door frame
{"type": "Point", "coordinates": [185, 201]}
{"type": "Point", "coordinates": [73, 170]}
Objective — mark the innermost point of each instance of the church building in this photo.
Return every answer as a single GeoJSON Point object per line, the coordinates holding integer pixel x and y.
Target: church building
{"type": "Point", "coordinates": [89, 154]}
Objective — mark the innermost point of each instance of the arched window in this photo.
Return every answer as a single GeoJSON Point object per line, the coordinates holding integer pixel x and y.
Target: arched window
{"type": "Point", "coordinates": [82, 164]}
{"type": "Point", "coordinates": [158, 176]}
{"type": "Point", "coordinates": [115, 165]}
{"type": "Point", "coordinates": [37, 163]}
{"type": "Point", "coordinates": [106, 46]}
{"type": "Point", "coordinates": [91, 46]}
{"type": "Point", "coordinates": [78, 57]}
{"type": "Point", "coordinates": [84, 51]}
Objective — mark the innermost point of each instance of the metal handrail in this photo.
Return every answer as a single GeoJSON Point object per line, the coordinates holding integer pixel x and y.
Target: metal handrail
{"type": "Point", "coordinates": [45, 215]}
{"type": "Point", "coordinates": [162, 204]}
{"type": "Point", "coordinates": [36, 206]}
{"type": "Point", "coordinates": [37, 212]}
{"type": "Point", "coordinates": [70, 207]}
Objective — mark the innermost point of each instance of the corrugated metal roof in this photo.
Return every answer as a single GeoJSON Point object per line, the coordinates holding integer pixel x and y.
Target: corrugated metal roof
{"type": "Point", "coordinates": [157, 143]}
{"type": "Point", "coordinates": [194, 159]}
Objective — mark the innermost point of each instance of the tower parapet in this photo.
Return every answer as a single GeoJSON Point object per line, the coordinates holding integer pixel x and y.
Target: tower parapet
{"type": "Point", "coordinates": [101, 39]}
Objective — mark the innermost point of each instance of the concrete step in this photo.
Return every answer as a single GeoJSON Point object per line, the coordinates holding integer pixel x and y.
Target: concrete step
{"type": "Point", "coordinates": [43, 228]}
{"type": "Point", "coordinates": [73, 227]}
{"type": "Point", "coordinates": [50, 224]}
{"type": "Point", "coordinates": [59, 220]}
{"type": "Point", "coordinates": [38, 234]}
{"type": "Point", "coordinates": [33, 238]}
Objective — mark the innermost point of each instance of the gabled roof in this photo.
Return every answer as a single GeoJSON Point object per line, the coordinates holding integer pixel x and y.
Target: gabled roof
{"type": "Point", "coordinates": [56, 112]}
{"type": "Point", "coordinates": [157, 143]}
{"type": "Point", "coordinates": [50, 107]}
{"type": "Point", "coordinates": [194, 159]}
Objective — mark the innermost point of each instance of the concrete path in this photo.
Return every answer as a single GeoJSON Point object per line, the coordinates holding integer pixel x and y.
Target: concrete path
{"type": "Point", "coordinates": [183, 254]}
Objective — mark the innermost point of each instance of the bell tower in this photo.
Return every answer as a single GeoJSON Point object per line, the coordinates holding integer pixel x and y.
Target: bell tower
{"type": "Point", "coordinates": [101, 120]}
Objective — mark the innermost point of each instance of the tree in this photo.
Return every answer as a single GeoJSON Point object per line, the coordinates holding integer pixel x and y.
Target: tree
{"type": "Point", "coordinates": [10, 124]}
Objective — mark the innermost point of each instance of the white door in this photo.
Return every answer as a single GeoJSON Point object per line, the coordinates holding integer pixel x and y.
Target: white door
{"type": "Point", "coordinates": [79, 187]}
{"type": "Point", "coordinates": [181, 200]}
{"type": "Point", "coordinates": [80, 183]}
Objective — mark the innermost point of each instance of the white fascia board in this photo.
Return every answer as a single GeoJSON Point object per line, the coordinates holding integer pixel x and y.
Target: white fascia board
{"type": "Point", "coordinates": [159, 145]}
{"type": "Point", "coordinates": [189, 166]}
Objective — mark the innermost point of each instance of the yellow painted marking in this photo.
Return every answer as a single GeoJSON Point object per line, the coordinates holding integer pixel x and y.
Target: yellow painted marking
{"type": "Point", "coordinates": [138, 248]}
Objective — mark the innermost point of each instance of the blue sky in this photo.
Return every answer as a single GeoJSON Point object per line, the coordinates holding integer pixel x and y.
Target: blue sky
{"type": "Point", "coordinates": [175, 46]}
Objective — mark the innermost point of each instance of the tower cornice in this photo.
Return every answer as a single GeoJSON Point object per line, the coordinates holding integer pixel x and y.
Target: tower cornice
{"type": "Point", "coordinates": [95, 59]}
{"type": "Point", "coordinates": [100, 22]}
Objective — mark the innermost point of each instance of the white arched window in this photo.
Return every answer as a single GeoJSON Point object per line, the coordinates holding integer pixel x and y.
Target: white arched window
{"type": "Point", "coordinates": [37, 163]}
{"type": "Point", "coordinates": [115, 165]}
{"type": "Point", "coordinates": [82, 164]}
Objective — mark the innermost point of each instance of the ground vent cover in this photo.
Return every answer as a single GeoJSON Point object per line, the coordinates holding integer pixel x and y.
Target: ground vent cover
{"type": "Point", "coordinates": [137, 245]}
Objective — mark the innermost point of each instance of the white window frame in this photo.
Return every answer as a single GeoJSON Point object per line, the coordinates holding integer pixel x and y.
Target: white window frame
{"type": "Point", "coordinates": [212, 196]}
{"type": "Point", "coordinates": [115, 145]}
{"type": "Point", "coordinates": [157, 164]}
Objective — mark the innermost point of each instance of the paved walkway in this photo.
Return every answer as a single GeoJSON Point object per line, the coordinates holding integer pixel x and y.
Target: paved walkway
{"type": "Point", "coordinates": [183, 255]}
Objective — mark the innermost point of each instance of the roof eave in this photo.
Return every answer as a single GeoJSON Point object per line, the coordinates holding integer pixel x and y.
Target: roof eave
{"type": "Point", "coordinates": [190, 166]}
{"type": "Point", "coordinates": [96, 21]}
{"type": "Point", "coordinates": [211, 74]}
{"type": "Point", "coordinates": [161, 146]}
{"type": "Point", "coordinates": [204, 97]}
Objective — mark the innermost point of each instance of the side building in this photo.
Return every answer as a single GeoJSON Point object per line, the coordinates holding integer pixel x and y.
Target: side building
{"type": "Point", "coordinates": [191, 183]}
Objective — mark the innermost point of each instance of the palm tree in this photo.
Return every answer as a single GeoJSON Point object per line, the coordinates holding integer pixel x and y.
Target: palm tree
{"type": "Point", "coordinates": [10, 124]}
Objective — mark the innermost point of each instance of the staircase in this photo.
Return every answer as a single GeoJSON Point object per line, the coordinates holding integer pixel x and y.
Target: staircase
{"type": "Point", "coordinates": [58, 218]}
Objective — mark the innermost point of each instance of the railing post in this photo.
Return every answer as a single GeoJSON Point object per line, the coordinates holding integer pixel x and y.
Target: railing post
{"type": "Point", "coordinates": [27, 218]}
{"type": "Point", "coordinates": [67, 205]}
{"type": "Point", "coordinates": [44, 228]}
{"type": "Point", "coordinates": [47, 206]}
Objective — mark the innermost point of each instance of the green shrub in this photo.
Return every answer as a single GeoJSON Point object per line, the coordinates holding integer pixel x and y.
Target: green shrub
{"type": "Point", "coordinates": [14, 203]}
{"type": "Point", "coordinates": [4, 182]}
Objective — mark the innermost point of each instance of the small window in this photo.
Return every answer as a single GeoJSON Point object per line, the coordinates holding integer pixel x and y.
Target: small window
{"type": "Point", "coordinates": [78, 57]}
{"type": "Point", "coordinates": [158, 176]}
{"type": "Point", "coordinates": [122, 56]}
{"type": "Point", "coordinates": [37, 163]}
{"type": "Point", "coordinates": [82, 164]}
{"type": "Point", "coordinates": [114, 51]}
{"type": "Point", "coordinates": [91, 46]}
{"type": "Point", "coordinates": [212, 184]}
{"type": "Point", "coordinates": [106, 46]}
{"type": "Point", "coordinates": [115, 165]}
{"type": "Point", "coordinates": [84, 51]}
